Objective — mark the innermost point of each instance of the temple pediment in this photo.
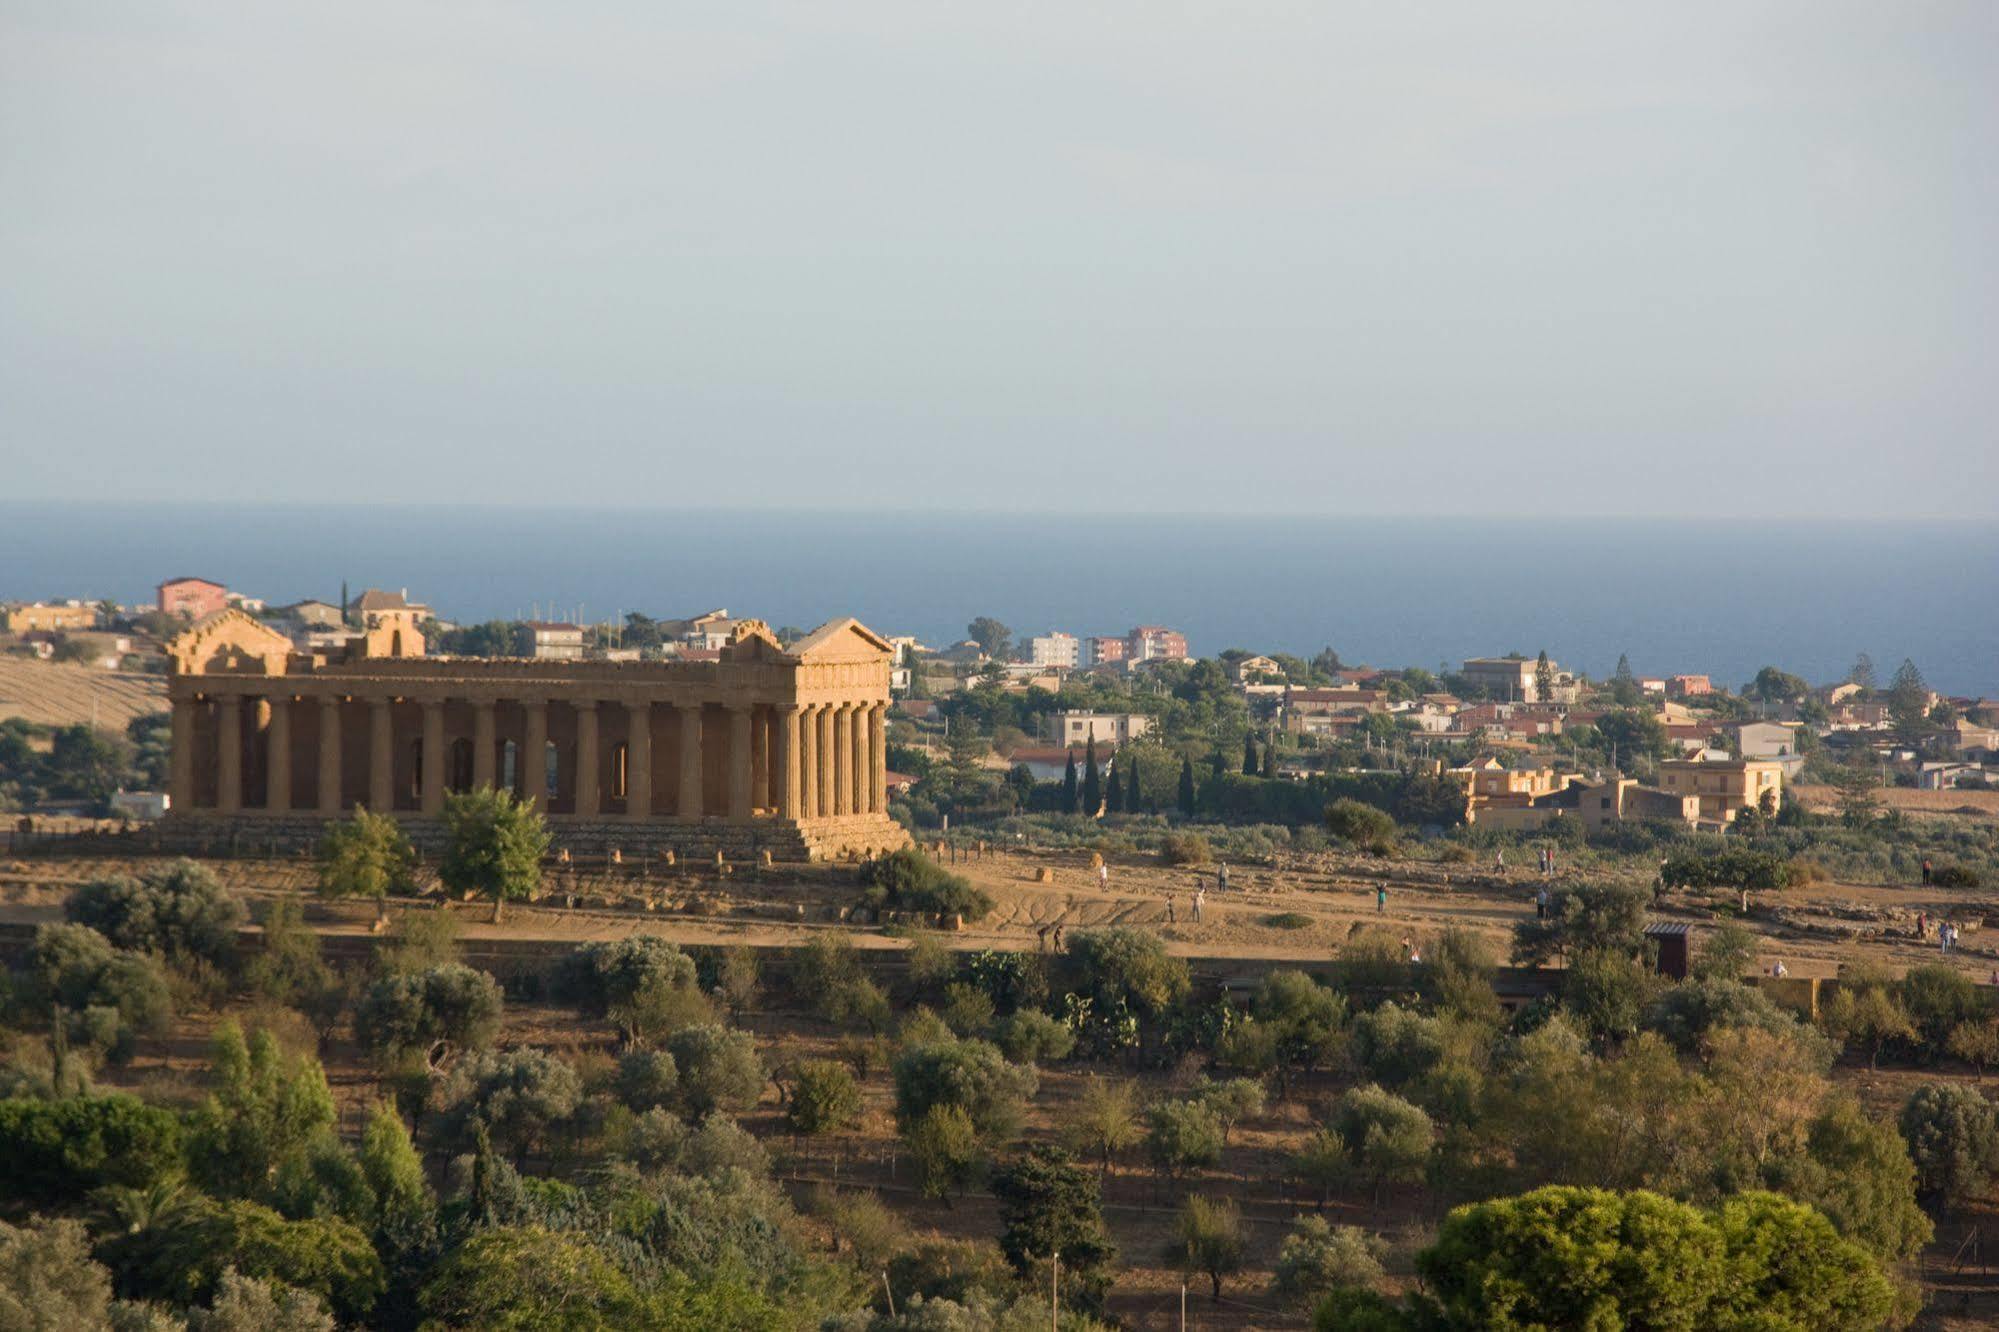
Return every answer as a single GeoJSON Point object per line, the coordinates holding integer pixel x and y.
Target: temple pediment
{"type": "Point", "coordinates": [229, 642]}
{"type": "Point", "coordinates": [842, 640]}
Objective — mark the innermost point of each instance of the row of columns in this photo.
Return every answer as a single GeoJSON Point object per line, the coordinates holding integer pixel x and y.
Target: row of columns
{"type": "Point", "coordinates": [807, 761]}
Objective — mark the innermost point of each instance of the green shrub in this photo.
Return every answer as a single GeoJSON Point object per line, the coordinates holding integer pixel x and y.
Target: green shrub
{"type": "Point", "coordinates": [908, 880]}
{"type": "Point", "coordinates": [824, 1097]}
{"type": "Point", "coordinates": [110, 998]}
{"type": "Point", "coordinates": [1955, 876]}
{"type": "Point", "coordinates": [1953, 1137]}
{"type": "Point", "coordinates": [1185, 849]}
{"type": "Point", "coordinates": [1360, 823]}
{"type": "Point", "coordinates": [966, 1074]}
{"type": "Point", "coordinates": [1288, 920]}
{"type": "Point", "coordinates": [57, 1152]}
{"type": "Point", "coordinates": [180, 911]}
{"type": "Point", "coordinates": [719, 1069]}
{"type": "Point", "coordinates": [1031, 1037]}
{"type": "Point", "coordinates": [406, 1013]}
{"type": "Point", "coordinates": [1182, 1136]}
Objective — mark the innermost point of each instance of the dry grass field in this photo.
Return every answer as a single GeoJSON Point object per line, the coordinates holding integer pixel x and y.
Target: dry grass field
{"type": "Point", "coordinates": [52, 694]}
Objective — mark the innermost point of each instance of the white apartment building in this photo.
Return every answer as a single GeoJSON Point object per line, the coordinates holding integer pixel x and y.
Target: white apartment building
{"type": "Point", "coordinates": [1054, 649]}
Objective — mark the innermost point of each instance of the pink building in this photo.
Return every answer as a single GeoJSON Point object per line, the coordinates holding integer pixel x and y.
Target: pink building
{"type": "Point", "coordinates": [192, 597]}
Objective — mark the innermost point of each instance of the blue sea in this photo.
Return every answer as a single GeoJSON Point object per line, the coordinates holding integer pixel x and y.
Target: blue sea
{"type": "Point", "coordinates": [1722, 597]}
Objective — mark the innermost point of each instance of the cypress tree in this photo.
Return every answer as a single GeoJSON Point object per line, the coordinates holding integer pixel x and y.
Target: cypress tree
{"type": "Point", "coordinates": [1269, 758]}
{"type": "Point", "coordinates": [1187, 787]}
{"type": "Point", "coordinates": [1217, 763]}
{"type": "Point", "coordinates": [1249, 763]}
{"type": "Point", "coordinates": [1114, 793]}
{"type": "Point", "coordinates": [1133, 792]}
{"type": "Point", "coordinates": [1069, 786]}
{"type": "Point", "coordinates": [1093, 780]}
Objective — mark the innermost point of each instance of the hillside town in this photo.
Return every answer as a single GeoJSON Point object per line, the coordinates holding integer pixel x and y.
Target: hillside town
{"type": "Point", "coordinates": [994, 724]}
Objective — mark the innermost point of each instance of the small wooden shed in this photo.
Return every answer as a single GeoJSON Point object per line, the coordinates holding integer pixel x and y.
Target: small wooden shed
{"type": "Point", "coordinates": [1674, 942]}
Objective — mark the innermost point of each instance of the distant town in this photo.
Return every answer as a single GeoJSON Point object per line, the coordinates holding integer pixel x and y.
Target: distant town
{"type": "Point", "coordinates": [1002, 722]}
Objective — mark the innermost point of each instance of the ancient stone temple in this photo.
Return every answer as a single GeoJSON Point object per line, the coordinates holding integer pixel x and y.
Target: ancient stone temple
{"type": "Point", "coordinates": [768, 749]}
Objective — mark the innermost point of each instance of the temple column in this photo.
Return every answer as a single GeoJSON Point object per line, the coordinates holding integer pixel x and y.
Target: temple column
{"type": "Point", "coordinates": [742, 763]}
{"type": "Point", "coordinates": [864, 782]}
{"type": "Point", "coordinates": [381, 757]}
{"type": "Point", "coordinates": [843, 759]}
{"type": "Point", "coordinates": [329, 756]}
{"type": "Point", "coordinates": [533, 759]}
{"type": "Point", "coordinates": [586, 758]}
{"type": "Point", "coordinates": [760, 782]}
{"type": "Point", "coordinates": [878, 759]}
{"type": "Point", "coordinates": [690, 762]}
{"type": "Point", "coordinates": [431, 778]}
{"type": "Point", "coordinates": [787, 763]}
{"type": "Point", "coordinates": [278, 757]}
{"type": "Point", "coordinates": [181, 779]}
{"type": "Point", "coordinates": [638, 760]}
{"type": "Point", "coordinates": [825, 762]}
{"type": "Point", "coordinates": [485, 746]}
{"type": "Point", "coordinates": [808, 762]}
{"type": "Point", "coordinates": [229, 754]}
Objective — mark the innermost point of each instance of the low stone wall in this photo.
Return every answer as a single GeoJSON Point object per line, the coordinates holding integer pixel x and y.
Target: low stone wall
{"type": "Point", "coordinates": [849, 838]}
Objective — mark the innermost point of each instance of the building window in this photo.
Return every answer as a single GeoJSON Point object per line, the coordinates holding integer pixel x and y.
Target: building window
{"type": "Point", "coordinates": [551, 770]}
{"type": "Point", "coordinates": [508, 755]}
{"type": "Point", "coordinates": [416, 769]}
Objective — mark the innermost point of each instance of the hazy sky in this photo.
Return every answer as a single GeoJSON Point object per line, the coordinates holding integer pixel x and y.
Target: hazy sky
{"type": "Point", "coordinates": [1732, 258]}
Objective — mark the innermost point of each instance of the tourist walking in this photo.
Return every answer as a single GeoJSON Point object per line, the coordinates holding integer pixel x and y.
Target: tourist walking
{"type": "Point", "coordinates": [1200, 900]}
{"type": "Point", "coordinates": [1541, 904]}
{"type": "Point", "coordinates": [1380, 900]}
{"type": "Point", "coordinates": [1104, 876]}
{"type": "Point", "coordinates": [1927, 871]}
{"type": "Point", "coordinates": [1222, 877]}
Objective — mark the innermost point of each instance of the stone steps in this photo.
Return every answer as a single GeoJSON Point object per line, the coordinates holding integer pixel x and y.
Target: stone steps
{"type": "Point", "coordinates": [850, 837]}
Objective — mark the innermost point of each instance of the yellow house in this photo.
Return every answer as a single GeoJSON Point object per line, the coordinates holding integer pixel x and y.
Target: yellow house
{"type": "Point", "coordinates": [1724, 786]}
{"type": "Point", "coordinates": [47, 619]}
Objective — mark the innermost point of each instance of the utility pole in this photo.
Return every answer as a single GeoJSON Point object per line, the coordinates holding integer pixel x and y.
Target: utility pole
{"type": "Point", "coordinates": [1183, 1306]}
{"type": "Point", "coordinates": [1054, 1298]}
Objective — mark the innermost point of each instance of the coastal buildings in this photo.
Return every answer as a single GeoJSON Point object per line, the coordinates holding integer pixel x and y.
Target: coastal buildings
{"type": "Point", "coordinates": [1516, 679]}
{"type": "Point", "coordinates": [768, 748]}
{"type": "Point", "coordinates": [1101, 651]}
{"type": "Point", "coordinates": [42, 617]}
{"type": "Point", "coordinates": [1328, 711]}
{"type": "Point", "coordinates": [1079, 728]}
{"type": "Point", "coordinates": [1725, 786]}
{"type": "Point", "coordinates": [1054, 649]}
{"type": "Point", "coordinates": [552, 640]}
{"type": "Point", "coordinates": [1155, 642]}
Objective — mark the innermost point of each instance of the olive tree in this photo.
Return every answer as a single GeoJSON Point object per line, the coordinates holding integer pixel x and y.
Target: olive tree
{"type": "Point", "coordinates": [369, 857]}
{"type": "Point", "coordinates": [494, 846]}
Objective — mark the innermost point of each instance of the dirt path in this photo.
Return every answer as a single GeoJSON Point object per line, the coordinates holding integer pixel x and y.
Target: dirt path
{"type": "Point", "coordinates": [1304, 910]}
